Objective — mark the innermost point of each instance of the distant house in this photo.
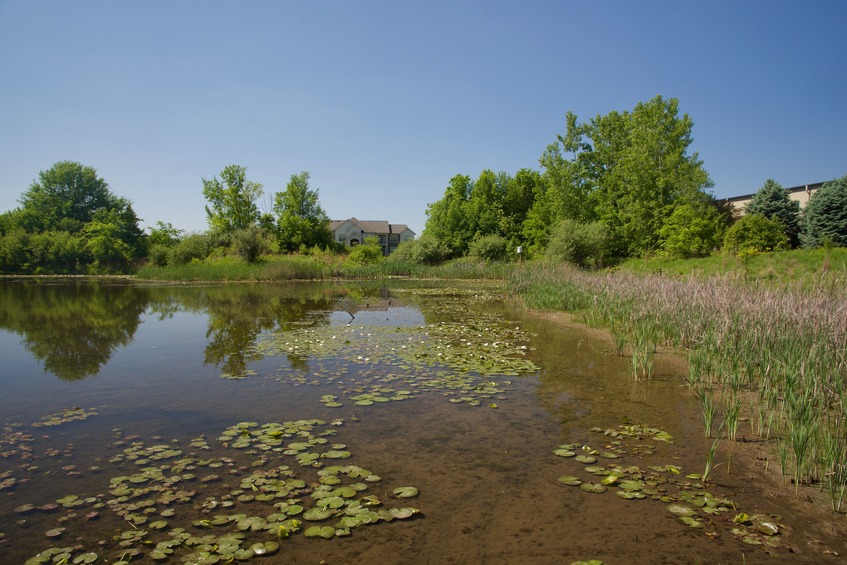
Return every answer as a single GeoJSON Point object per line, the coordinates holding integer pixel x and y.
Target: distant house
{"type": "Point", "coordinates": [354, 231]}
{"type": "Point", "coordinates": [800, 194]}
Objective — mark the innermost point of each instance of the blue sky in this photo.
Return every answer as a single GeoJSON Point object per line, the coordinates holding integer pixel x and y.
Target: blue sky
{"type": "Point", "coordinates": [384, 101]}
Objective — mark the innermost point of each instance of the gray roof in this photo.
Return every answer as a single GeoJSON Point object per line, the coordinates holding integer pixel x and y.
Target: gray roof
{"type": "Point", "coordinates": [371, 226]}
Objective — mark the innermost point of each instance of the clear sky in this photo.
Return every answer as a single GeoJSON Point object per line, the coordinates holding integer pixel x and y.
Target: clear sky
{"type": "Point", "coordinates": [384, 101]}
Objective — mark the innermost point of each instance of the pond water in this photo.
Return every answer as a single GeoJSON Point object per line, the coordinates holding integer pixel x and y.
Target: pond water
{"type": "Point", "coordinates": [339, 423]}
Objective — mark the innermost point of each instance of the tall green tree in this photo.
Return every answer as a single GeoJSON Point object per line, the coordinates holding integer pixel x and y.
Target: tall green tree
{"type": "Point", "coordinates": [106, 246]}
{"type": "Point", "coordinates": [301, 221]}
{"type": "Point", "coordinates": [59, 213]}
{"type": "Point", "coordinates": [773, 201]}
{"type": "Point", "coordinates": [232, 200]}
{"type": "Point", "coordinates": [630, 170]}
{"type": "Point", "coordinates": [64, 198]}
{"type": "Point", "coordinates": [448, 220]}
{"type": "Point", "coordinates": [485, 205]}
{"type": "Point", "coordinates": [518, 200]}
{"type": "Point", "coordinates": [825, 216]}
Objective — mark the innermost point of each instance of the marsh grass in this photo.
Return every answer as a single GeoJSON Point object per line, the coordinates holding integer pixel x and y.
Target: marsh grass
{"type": "Point", "coordinates": [780, 340]}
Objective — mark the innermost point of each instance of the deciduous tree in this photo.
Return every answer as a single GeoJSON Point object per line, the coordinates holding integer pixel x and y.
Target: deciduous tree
{"type": "Point", "coordinates": [301, 221]}
{"type": "Point", "coordinates": [232, 200]}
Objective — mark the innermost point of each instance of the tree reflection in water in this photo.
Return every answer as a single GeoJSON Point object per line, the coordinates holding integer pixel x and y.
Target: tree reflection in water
{"type": "Point", "coordinates": [74, 326]}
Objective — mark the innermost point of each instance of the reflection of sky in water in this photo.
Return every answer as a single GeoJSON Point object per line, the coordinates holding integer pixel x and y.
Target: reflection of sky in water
{"type": "Point", "coordinates": [393, 316]}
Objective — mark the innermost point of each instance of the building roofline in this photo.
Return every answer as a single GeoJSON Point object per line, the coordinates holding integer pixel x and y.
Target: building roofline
{"type": "Point", "coordinates": [794, 189]}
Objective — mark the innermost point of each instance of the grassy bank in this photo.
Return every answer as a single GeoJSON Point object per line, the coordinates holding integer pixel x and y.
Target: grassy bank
{"type": "Point", "coordinates": [777, 355]}
{"type": "Point", "coordinates": [302, 267]}
{"type": "Point", "coordinates": [798, 267]}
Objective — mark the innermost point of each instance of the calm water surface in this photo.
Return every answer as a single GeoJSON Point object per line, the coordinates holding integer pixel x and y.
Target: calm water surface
{"type": "Point", "coordinates": [142, 377]}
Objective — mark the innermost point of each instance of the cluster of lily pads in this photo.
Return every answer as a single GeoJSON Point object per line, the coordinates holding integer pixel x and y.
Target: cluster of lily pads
{"type": "Point", "coordinates": [466, 362]}
{"type": "Point", "coordinates": [202, 503]}
{"type": "Point", "coordinates": [64, 416]}
{"type": "Point", "coordinates": [685, 495]}
{"type": "Point", "coordinates": [17, 443]}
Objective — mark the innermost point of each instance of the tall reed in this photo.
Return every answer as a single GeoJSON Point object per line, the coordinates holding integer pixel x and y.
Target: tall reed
{"type": "Point", "coordinates": [779, 343]}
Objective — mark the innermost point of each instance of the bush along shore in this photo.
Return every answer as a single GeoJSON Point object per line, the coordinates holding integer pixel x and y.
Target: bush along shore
{"type": "Point", "coordinates": [775, 355]}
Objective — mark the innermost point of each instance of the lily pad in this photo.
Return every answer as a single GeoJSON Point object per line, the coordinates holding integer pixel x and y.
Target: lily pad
{"type": "Point", "coordinates": [405, 492]}
{"type": "Point", "coordinates": [768, 528]}
{"type": "Point", "coordinates": [317, 514]}
{"type": "Point", "coordinates": [595, 488]}
{"type": "Point", "coordinates": [569, 480]}
{"type": "Point", "coordinates": [266, 548]}
{"type": "Point", "coordinates": [680, 510]}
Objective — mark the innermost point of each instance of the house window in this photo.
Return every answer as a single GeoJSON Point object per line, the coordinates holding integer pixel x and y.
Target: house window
{"type": "Point", "coordinates": [395, 238]}
{"type": "Point", "coordinates": [382, 240]}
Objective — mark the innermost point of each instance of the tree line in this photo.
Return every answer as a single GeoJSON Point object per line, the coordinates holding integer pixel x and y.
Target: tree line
{"type": "Point", "coordinates": [70, 222]}
{"type": "Point", "coordinates": [619, 185]}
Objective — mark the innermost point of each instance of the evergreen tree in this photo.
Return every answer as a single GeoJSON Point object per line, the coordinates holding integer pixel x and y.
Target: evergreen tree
{"type": "Point", "coordinates": [773, 201]}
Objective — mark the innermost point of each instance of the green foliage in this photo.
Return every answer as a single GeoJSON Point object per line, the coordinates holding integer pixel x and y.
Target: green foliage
{"type": "Point", "coordinates": [755, 233]}
{"type": "Point", "coordinates": [193, 246]}
{"type": "Point", "coordinates": [426, 250]}
{"type": "Point", "coordinates": [159, 254]}
{"type": "Point", "coordinates": [105, 245]}
{"type": "Point", "coordinates": [65, 198]}
{"type": "Point", "coordinates": [448, 220]}
{"type": "Point", "coordinates": [164, 234]}
{"type": "Point", "coordinates": [693, 230]}
{"type": "Point", "coordinates": [249, 243]}
{"type": "Point", "coordinates": [14, 251]}
{"type": "Point", "coordinates": [825, 216]}
{"type": "Point", "coordinates": [773, 201]}
{"type": "Point", "coordinates": [494, 204]}
{"type": "Point", "coordinates": [519, 198]}
{"type": "Point", "coordinates": [489, 248]}
{"type": "Point", "coordinates": [67, 220]}
{"type": "Point", "coordinates": [630, 170]}
{"type": "Point", "coordinates": [232, 200]}
{"type": "Point", "coordinates": [301, 222]}
{"type": "Point", "coordinates": [368, 253]}
{"type": "Point", "coordinates": [584, 245]}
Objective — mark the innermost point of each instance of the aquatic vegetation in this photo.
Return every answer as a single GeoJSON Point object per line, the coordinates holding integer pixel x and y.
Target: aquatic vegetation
{"type": "Point", "coordinates": [774, 345]}
{"type": "Point", "coordinates": [685, 497]}
{"type": "Point", "coordinates": [64, 416]}
{"type": "Point", "coordinates": [171, 506]}
{"type": "Point", "coordinates": [466, 361]}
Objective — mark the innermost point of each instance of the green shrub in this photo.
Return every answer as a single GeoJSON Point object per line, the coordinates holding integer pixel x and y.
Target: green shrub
{"type": "Point", "coordinates": [368, 253]}
{"type": "Point", "coordinates": [426, 250]}
{"type": "Point", "coordinates": [249, 243]}
{"type": "Point", "coordinates": [692, 231]}
{"type": "Point", "coordinates": [755, 233]}
{"type": "Point", "coordinates": [825, 216]}
{"type": "Point", "coordinates": [489, 248]}
{"type": "Point", "coordinates": [158, 254]}
{"type": "Point", "coordinates": [584, 245]}
{"type": "Point", "coordinates": [192, 246]}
